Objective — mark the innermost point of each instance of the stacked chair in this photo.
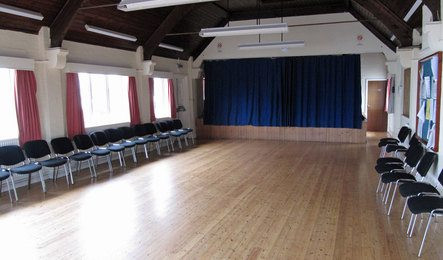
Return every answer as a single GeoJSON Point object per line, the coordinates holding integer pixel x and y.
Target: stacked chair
{"type": "Point", "coordinates": [100, 144]}
{"type": "Point", "coordinates": [401, 137]}
{"type": "Point", "coordinates": [408, 173]}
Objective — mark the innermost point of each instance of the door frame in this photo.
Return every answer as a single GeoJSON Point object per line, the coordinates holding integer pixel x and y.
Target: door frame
{"type": "Point", "coordinates": [365, 112]}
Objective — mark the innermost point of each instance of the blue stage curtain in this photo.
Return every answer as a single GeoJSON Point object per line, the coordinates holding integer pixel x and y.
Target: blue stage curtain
{"type": "Point", "coordinates": [312, 91]}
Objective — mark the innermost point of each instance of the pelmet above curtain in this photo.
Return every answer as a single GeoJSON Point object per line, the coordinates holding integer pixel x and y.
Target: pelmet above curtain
{"type": "Point", "coordinates": [313, 91]}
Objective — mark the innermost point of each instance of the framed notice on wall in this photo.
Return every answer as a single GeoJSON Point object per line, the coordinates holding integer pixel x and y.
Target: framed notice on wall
{"type": "Point", "coordinates": [428, 100]}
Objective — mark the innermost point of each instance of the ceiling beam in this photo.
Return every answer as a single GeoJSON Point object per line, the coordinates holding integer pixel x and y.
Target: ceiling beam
{"type": "Point", "coordinates": [207, 40]}
{"type": "Point", "coordinates": [391, 45]}
{"type": "Point", "coordinates": [285, 12]}
{"type": "Point", "coordinates": [390, 19]}
{"type": "Point", "coordinates": [63, 20]}
{"type": "Point", "coordinates": [434, 6]}
{"type": "Point", "coordinates": [173, 18]}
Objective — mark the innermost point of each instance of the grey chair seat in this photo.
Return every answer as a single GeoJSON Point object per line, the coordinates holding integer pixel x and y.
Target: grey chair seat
{"type": "Point", "coordinates": [101, 152]}
{"type": "Point", "coordinates": [4, 174]}
{"type": "Point", "coordinates": [27, 168]}
{"type": "Point", "coordinates": [82, 156]}
{"type": "Point", "coordinates": [54, 162]}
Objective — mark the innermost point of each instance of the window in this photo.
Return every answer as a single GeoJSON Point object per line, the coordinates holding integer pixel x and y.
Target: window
{"type": "Point", "coordinates": [7, 105]}
{"type": "Point", "coordinates": [104, 99]}
{"type": "Point", "coordinates": [162, 106]}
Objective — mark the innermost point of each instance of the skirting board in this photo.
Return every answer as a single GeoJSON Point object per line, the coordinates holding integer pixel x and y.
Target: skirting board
{"type": "Point", "coordinates": [330, 135]}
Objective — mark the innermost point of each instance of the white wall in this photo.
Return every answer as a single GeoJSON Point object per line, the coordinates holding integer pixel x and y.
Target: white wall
{"type": "Point", "coordinates": [319, 39]}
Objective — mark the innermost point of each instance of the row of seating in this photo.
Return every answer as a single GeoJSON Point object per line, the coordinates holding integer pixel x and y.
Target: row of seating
{"type": "Point", "coordinates": [87, 148]}
{"type": "Point", "coordinates": [406, 171]}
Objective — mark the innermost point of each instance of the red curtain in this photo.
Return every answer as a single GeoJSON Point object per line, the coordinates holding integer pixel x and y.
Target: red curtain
{"type": "Point", "coordinates": [151, 98]}
{"type": "Point", "coordinates": [28, 120]}
{"type": "Point", "coordinates": [172, 98]}
{"type": "Point", "coordinates": [74, 112]}
{"type": "Point", "coordinates": [133, 102]}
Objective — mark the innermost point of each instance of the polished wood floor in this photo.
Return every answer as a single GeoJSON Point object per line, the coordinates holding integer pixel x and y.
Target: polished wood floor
{"type": "Point", "coordinates": [221, 199]}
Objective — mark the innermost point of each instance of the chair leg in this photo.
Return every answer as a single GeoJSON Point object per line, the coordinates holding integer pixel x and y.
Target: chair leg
{"type": "Point", "coordinates": [110, 163]}
{"type": "Point", "coordinates": [146, 151]}
{"type": "Point", "coordinates": [134, 156]}
{"type": "Point", "coordinates": [90, 169]}
{"type": "Point", "coordinates": [404, 208]}
{"type": "Point", "coordinates": [186, 140]}
{"type": "Point", "coordinates": [120, 159]}
{"type": "Point", "coordinates": [123, 158]}
{"type": "Point", "coordinates": [392, 199]}
{"type": "Point", "coordinates": [179, 143]}
{"type": "Point", "coordinates": [413, 225]}
{"type": "Point", "coordinates": [157, 146]}
{"type": "Point", "coordinates": [67, 175]}
{"type": "Point", "coordinates": [424, 235]}
{"type": "Point", "coordinates": [410, 223]}
{"type": "Point", "coordinates": [9, 190]}
{"type": "Point", "coordinates": [70, 172]}
{"type": "Point", "coordinates": [192, 137]}
{"type": "Point", "coordinates": [378, 186]}
{"type": "Point", "coordinates": [172, 143]}
{"type": "Point", "coordinates": [13, 187]}
{"type": "Point", "coordinates": [388, 190]}
{"type": "Point", "coordinates": [29, 181]}
{"type": "Point", "coordinates": [93, 167]}
{"type": "Point", "coordinates": [42, 181]}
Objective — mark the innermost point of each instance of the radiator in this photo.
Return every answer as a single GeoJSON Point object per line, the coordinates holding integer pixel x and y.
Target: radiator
{"type": "Point", "coordinates": [9, 142]}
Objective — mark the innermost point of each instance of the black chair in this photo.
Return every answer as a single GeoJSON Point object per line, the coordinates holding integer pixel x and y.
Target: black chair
{"type": "Point", "coordinates": [163, 134]}
{"type": "Point", "coordinates": [12, 157]}
{"type": "Point", "coordinates": [6, 176]}
{"type": "Point", "coordinates": [414, 188]}
{"type": "Point", "coordinates": [38, 150]}
{"type": "Point", "coordinates": [128, 134]}
{"type": "Point", "coordinates": [115, 137]}
{"type": "Point", "coordinates": [398, 149]}
{"type": "Point", "coordinates": [84, 143]}
{"type": "Point", "coordinates": [390, 169]}
{"type": "Point", "coordinates": [147, 132]}
{"type": "Point", "coordinates": [63, 147]}
{"type": "Point", "coordinates": [401, 137]}
{"type": "Point", "coordinates": [187, 131]}
{"type": "Point", "coordinates": [405, 176]}
{"type": "Point", "coordinates": [100, 140]}
{"type": "Point", "coordinates": [427, 203]}
{"type": "Point", "coordinates": [169, 126]}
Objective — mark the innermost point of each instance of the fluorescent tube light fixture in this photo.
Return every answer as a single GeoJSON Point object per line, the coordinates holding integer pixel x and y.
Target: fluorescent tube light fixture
{"type": "Point", "coordinates": [244, 30]}
{"type": "Point", "coordinates": [170, 47]}
{"type": "Point", "coordinates": [20, 12]}
{"type": "Point", "coordinates": [272, 45]}
{"type": "Point", "coordinates": [110, 33]}
{"type": "Point", "coordinates": [134, 5]}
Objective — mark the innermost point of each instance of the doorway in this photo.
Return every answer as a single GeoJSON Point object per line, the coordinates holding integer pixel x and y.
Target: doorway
{"type": "Point", "coordinates": [377, 117]}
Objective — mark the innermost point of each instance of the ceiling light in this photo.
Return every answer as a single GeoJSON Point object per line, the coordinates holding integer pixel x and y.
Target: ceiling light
{"type": "Point", "coordinates": [20, 12]}
{"type": "Point", "coordinates": [244, 30]}
{"type": "Point", "coordinates": [170, 47]}
{"type": "Point", "coordinates": [110, 33]}
{"type": "Point", "coordinates": [272, 45]}
{"type": "Point", "coordinates": [133, 5]}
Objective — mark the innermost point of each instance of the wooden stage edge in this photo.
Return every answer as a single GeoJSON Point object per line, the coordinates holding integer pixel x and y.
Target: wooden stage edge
{"type": "Point", "coordinates": [329, 135]}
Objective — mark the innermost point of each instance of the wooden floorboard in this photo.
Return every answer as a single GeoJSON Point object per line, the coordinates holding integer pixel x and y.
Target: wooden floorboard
{"type": "Point", "coordinates": [218, 200]}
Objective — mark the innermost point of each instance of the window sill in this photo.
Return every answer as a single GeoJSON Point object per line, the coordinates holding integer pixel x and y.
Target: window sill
{"type": "Point", "coordinates": [103, 127]}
